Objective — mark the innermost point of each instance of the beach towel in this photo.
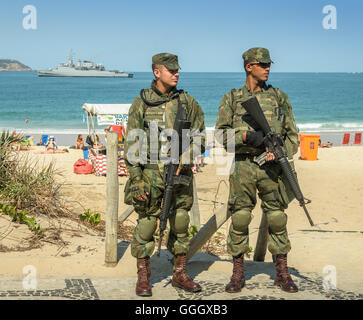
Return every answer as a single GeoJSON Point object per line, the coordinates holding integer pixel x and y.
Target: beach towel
{"type": "Point", "coordinates": [81, 166]}
{"type": "Point", "coordinates": [101, 166]}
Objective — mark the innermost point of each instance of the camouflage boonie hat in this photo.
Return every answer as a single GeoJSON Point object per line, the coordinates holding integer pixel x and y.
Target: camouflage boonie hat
{"type": "Point", "coordinates": [166, 59]}
{"type": "Point", "coordinates": [259, 54]}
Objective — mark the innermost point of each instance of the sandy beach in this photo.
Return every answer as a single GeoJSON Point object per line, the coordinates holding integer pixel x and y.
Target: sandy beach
{"type": "Point", "coordinates": [334, 183]}
{"type": "Point", "coordinates": [69, 139]}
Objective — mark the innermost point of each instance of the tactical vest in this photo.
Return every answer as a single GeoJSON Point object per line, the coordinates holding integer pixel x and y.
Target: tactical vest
{"type": "Point", "coordinates": [272, 109]}
{"type": "Point", "coordinates": [164, 115]}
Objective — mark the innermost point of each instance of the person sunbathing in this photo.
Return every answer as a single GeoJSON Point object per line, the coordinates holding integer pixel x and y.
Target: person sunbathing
{"type": "Point", "coordinates": [79, 142]}
{"type": "Point", "coordinates": [52, 151]}
{"type": "Point", "coordinates": [51, 145]}
{"type": "Point", "coordinates": [24, 145]}
{"type": "Point", "coordinates": [325, 144]}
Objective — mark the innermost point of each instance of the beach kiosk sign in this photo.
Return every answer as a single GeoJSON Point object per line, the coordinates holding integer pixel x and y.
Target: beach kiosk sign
{"type": "Point", "coordinates": [105, 115]}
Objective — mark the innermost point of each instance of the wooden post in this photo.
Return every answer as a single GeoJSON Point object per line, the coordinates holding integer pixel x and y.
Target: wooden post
{"type": "Point", "coordinates": [126, 213]}
{"type": "Point", "coordinates": [261, 244]}
{"type": "Point", "coordinates": [195, 214]}
{"type": "Point", "coordinates": [205, 233]}
{"type": "Point", "coordinates": [112, 190]}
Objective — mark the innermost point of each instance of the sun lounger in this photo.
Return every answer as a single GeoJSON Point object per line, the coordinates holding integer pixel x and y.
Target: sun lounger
{"type": "Point", "coordinates": [346, 139]}
{"type": "Point", "coordinates": [357, 138]}
{"type": "Point", "coordinates": [45, 139]}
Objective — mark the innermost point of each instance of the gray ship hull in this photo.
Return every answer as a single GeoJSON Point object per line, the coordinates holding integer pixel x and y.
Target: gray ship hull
{"type": "Point", "coordinates": [85, 73]}
{"type": "Point", "coordinates": [86, 69]}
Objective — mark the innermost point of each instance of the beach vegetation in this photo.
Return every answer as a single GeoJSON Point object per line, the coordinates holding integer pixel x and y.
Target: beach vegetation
{"type": "Point", "coordinates": [21, 217]}
{"type": "Point", "coordinates": [89, 216]}
{"type": "Point", "coordinates": [27, 190]}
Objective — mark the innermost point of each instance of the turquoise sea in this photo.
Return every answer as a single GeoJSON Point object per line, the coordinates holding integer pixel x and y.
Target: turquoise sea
{"type": "Point", "coordinates": [322, 102]}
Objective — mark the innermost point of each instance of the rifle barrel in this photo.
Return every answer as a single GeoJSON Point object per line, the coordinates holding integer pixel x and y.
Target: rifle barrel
{"type": "Point", "coordinates": [307, 213]}
{"type": "Point", "coordinates": [159, 244]}
{"type": "Point", "coordinates": [254, 109]}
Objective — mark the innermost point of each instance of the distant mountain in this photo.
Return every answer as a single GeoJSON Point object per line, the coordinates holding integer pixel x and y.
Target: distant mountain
{"type": "Point", "coordinates": [12, 65]}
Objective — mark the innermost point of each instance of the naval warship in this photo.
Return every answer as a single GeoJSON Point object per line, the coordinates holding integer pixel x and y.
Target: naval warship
{"type": "Point", "coordinates": [83, 69]}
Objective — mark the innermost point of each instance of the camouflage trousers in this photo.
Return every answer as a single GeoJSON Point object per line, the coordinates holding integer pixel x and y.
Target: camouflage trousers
{"type": "Point", "coordinates": [143, 244]}
{"type": "Point", "coordinates": [246, 179]}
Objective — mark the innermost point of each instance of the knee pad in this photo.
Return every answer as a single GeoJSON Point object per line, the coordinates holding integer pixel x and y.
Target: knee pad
{"type": "Point", "coordinates": [241, 219]}
{"type": "Point", "coordinates": [180, 221]}
{"type": "Point", "coordinates": [276, 221]}
{"type": "Point", "coordinates": [146, 227]}
{"type": "Point", "coordinates": [272, 202]}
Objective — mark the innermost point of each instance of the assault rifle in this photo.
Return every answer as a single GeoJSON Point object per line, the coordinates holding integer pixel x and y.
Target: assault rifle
{"type": "Point", "coordinates": [274, 142]}
{"type": "Point", "coordinates": [171, 168]}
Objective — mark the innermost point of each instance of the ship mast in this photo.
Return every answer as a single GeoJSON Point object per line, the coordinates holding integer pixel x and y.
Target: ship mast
{"type": "Point", "coordinates": [70, 59]}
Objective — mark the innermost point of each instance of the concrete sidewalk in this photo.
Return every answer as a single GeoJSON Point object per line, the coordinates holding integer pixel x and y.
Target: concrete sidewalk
{"type": "Point", "coordinates": [259, 285]}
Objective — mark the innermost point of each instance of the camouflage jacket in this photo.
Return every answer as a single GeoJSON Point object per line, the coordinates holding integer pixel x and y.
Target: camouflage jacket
{"type": "Point", "coordinates": [140, 115]}
{"type": "Point", "coordinates": [276, 107]}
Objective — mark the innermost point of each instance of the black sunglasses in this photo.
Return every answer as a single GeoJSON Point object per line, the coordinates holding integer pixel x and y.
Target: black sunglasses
{"type": "Point", "coordinates": [261, 64]}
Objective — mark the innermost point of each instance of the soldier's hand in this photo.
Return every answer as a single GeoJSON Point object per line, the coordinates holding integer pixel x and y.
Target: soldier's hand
{"type": "Point", "coordinates": [138, 190]}
{"type": "Point", "coordinates": [255, 138]}
{"type": "Point", "coordinates": [270, 156]}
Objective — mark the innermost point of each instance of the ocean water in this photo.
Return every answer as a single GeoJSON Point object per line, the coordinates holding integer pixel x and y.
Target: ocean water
{"type": "Point", "coordinates": [322, 102]}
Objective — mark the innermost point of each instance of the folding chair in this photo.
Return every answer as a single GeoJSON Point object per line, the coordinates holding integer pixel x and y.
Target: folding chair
{"type": "Point", "coordinates": [357, 138]}
{"type": "Point", "coordinates": [346, 139]}
{"type": "Point", "coordinates": [45, 139]}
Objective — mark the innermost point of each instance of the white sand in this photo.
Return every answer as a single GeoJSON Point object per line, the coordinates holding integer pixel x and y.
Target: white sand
{"type": "Point", "coordinates": [334, 183]}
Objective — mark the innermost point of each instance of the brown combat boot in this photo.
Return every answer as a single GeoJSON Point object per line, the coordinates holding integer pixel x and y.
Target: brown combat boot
{"type": "Point", "coordinates": [283, 278]}
{"type": "Point", "coordinates": [180, 277]}
{"type": "Point", "coordinates": [238, 276]}
{"type": "Point", "coordinates": [143, 287]}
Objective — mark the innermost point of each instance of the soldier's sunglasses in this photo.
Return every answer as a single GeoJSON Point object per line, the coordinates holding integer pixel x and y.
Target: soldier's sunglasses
{"type": "Point", "coordinates": [261, 64]}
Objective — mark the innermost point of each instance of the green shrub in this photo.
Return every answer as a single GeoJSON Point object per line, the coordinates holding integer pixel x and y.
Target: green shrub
{"type": "Point", "coordinates": [92, 218]}
{"type": "Point", "coordinates": [21, 217]}
{"type": "Point", "coordinates": [26, 188]}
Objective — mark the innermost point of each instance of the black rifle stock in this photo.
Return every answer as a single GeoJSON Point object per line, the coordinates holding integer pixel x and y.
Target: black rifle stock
{"type": "Point", "coordinates": [274, 142]}
{"type": "Point", "coordinates": [171, 168]}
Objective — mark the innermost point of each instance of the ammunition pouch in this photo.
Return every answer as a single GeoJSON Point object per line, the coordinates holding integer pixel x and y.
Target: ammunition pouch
{"type": "Point", "coordinates": [128, 198]}
{"type": "Point", "coordinates": [127, 193]}
{"type": "Point", "coordinates": [285, 190]}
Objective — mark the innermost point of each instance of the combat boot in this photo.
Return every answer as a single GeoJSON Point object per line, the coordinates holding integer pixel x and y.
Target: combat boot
{"type": "Point", "coordinates": [238, 276]}
{"type": "Point", "coordinates": [143, 287]}
{"type": "Point", "coordinates": [180, 277]}
{"type": "Point", "coordinates": [283, 278]}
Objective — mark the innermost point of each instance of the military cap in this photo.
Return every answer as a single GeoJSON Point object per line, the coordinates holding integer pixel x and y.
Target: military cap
{"type": "Point", "coordinates": [259, 54]}
{"type": "Point", "coordinates": [166, 59]}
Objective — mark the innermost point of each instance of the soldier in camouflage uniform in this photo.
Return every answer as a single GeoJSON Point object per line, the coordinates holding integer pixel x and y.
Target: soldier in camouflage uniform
{"type": "Point", "coordinates": [248, 177]}
{"type": "Point", "coordinates": [157, 107]}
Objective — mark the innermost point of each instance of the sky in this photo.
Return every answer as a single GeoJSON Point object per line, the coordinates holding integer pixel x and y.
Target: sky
{"type": "Point", "coordinates": [207, 35]}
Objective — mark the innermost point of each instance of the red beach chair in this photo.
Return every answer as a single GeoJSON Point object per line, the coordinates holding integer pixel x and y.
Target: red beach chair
{"type": "Point", "coordinates": [346, 139]}
{"type": "Point", "coordinates": [357, 138]}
